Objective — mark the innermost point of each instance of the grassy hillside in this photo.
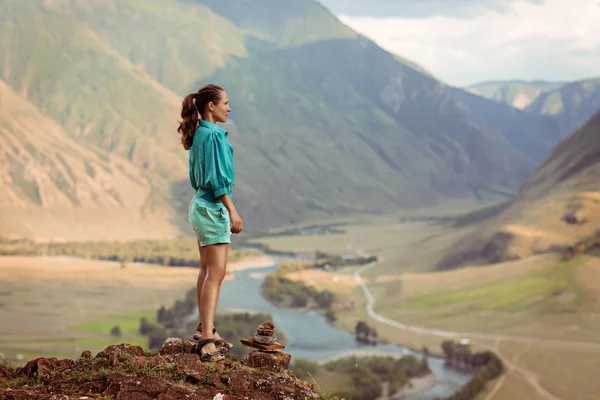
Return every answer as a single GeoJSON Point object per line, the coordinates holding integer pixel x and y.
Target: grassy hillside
{"type": "Point", "coordinates": [572, 104]}
{"type": "Point", "coordinates": [69, 73]}
{"type": "Point", "coordinates": [176, 42]}
{"type": "Point", "coordinates": [518, 94]}
{"type": "Point", "coordinates": [51, 184]}
{"type": "Point", "coordinates": [557, 206]}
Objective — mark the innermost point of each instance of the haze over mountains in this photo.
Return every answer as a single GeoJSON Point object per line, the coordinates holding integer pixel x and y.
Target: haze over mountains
{"type": "Point", "coordinates": [572, 103]}
{"type": "Point", "coordinates": [324, 121]}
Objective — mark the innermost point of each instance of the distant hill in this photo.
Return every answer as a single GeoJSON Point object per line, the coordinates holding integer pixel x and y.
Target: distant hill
{"type": "Point", "coordinates": [572, 104]}
{"type": "Point", "coordinates": [518, 94]}
{"type": "Point", "coordinates": [558, 206]}
{"type": "Point", "coordinates": [325, 123]}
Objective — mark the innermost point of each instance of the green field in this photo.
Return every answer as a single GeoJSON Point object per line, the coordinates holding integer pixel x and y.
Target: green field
{"type": "Point", "coordinates": [56, 307]}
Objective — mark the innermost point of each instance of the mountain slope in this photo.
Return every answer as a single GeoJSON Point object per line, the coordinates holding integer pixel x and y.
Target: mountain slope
{"type": "Point", "coordinates": [69, 73]}
{"type": "Point", "coordinates": [518, 94]}
{"type": "Point", "coordinates": [321, 127]}
{"type": "Point", "coordinates": [533, 135]}
{"type": "Point", "coordinates": [49, 183]}
{"type": "Point", "coordinates": [175, 42]}
{"type": "Point", "coordinates": [289, 23]}
{"type": "Point", "coordinates": [378, 133]}
{"type": "Point", "coordinates": [572, 104]}
{"type": "Point", "coordinates": [557, 206]}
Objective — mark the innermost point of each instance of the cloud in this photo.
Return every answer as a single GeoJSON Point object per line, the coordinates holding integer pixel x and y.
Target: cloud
{"type": "Point", "coordinates": [418, 8]}
{"type": "Point", "coordinates": [554, 40]}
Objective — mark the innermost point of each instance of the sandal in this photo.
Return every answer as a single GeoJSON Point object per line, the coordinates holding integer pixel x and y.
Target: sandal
{"type": "Point", "coordinates": [220, 343]}
{"type": "Point", "coordinates": [209, 356]}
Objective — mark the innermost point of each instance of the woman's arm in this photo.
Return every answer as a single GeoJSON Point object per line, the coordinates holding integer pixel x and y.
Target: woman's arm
{"type": "Point", "coordinates": [236, 220]}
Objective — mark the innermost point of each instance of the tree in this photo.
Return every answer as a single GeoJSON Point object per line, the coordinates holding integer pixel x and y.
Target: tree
{"type": "Point", "coordinates": [330, 316]}
{"type": "Point", "coordinates": [160, 316]}
{"type": "Point", "coordinates": [362, 331]}
{"type": "Point", "coordinates": [145, 326]}
{"type": "Point", "coordinates": [116, 331]}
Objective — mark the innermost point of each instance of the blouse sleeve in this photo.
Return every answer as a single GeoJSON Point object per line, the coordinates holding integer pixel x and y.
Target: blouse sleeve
{"type": "Point", "coordinates": [217, 165]}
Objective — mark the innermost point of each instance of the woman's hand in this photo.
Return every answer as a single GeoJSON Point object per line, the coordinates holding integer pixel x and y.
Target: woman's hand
{"type": "Point", "coordinates": [234, 217]}
{"type": "Point", "coordinates": [236, 222]}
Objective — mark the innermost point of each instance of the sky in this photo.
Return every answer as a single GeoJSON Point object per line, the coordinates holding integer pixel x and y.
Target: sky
{"type": "Point", "coordinates": [463, 42]}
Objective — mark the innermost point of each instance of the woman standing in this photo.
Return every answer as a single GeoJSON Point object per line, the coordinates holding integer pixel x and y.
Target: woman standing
{"type": "Point", "coordinates": [211, 213]}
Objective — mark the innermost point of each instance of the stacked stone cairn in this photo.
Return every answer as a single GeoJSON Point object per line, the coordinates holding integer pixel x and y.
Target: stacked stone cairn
{"type": "Point", "coordinates": [268, 353]}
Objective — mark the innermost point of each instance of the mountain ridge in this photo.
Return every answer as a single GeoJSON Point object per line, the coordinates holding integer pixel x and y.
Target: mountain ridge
{"type": "Point", "coordinates": [558, 206]}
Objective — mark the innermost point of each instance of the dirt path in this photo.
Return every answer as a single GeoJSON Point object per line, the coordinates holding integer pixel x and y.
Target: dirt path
{"type": "Point", "coordinates": [529, 376]}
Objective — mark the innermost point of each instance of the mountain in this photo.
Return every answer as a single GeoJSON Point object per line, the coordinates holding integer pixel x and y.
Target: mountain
{"type": "Point", "coordinates": [51, 184]}
{"type": "Point", "coordinates": [72, 75]}
{"type": "Point", "coordinates": [518, 94]}
{"type": "Point", "coordinates": [324, 121]}
{"type": "Point", "coordinates": [365, 131]}
{"type": "Point", "coordinates": [571, 104]}
{"type": "Point", "coordinates": [557, 207]}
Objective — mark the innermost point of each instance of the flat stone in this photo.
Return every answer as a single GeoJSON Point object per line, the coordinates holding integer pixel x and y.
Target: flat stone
{"type": "Point", "coordinates": [264, 339]}
{"type": "Point", "coordinates": [260, 359]}
{"type": "Point", "coordinates": [264, 347]}
{"type": "Point", "coordinates": [173, 346]}
{"type": "Point", "coordinates": [266, 329]}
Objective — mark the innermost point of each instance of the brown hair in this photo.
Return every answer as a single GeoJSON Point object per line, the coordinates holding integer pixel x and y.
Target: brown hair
{"type": "Point", "coordinates": [193, 104]}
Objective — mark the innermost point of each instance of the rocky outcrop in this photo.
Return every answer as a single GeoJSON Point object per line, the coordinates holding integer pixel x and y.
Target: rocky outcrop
{"type": "Point", "coordinates": [129, 372]}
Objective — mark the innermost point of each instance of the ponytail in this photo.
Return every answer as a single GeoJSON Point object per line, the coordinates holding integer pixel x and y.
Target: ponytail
{"type": "Point", "coordinates": [194, 104]}
{"type": "Point", "coordinates": [188, 126]}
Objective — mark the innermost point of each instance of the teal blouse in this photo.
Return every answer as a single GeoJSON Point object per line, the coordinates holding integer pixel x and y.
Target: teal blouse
{"type": "Point", "coordinates": [212, 172]}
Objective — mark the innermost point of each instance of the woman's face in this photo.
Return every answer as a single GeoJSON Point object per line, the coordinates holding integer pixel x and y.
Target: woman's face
{"type": "Point", "coordinates": [220, 111]}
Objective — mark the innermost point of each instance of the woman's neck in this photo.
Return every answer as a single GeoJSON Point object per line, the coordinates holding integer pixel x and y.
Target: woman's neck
{"type": "Point", "coordinates": [210, 118]}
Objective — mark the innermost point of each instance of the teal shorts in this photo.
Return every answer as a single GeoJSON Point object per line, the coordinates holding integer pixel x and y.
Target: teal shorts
{"type": "Point", "coordinates": [210, 221]}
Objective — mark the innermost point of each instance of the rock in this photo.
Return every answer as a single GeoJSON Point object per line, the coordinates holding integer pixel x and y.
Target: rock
{"type": "Point", "coordinates": [120, 349]}
{"type": "Point", "coordinates": [264, 339]}
{"type": "Point", "coordinates": [86, 354]}
{"type": "Point", "coordinates": [264, 347]}
{"type": "Point", "coordinates": [44, 367]}
{"type": "Point", "coordinates": [10, 394]}
{"type": "Point", "coordinates": [131, 387]}
{"type": "Point", "coordinates": [576, 217]}
{"type": "Point", "coordinates": [266, 329]}
{"type": "Point", "coordinates": [178, 393]}
{"type": "Point", "coordinates": [176, 346]}
{"type": "Point", "coordinates": [260, 359]}
{"type": "Point", "coordinates": [191, 365]}
{"type": "Point", "coordinates": [5, 372]}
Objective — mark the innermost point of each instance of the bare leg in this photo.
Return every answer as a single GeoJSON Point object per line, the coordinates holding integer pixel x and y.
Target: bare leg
{"type": "Point", "coordinates": [216, 263]}
{"type": "Point", "coordinates": [200, 282]}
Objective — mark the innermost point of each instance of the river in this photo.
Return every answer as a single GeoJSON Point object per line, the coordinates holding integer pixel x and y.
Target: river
{"type": "Point", "coordinates": [312, 338]}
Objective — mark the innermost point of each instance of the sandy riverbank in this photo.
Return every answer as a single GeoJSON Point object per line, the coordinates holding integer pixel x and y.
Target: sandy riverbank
{"type": "Point", "coordinates": [251, 262]}
{"type": "Point", "coordinates": [83, 271]}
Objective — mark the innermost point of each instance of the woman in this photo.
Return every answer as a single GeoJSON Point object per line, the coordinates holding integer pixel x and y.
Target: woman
{"type": "Point", "coordinates": [211, 213]}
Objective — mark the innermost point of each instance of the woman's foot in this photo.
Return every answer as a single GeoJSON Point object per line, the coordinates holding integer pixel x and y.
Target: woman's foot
{"type": "Point", "coordinates": [219, 341]}
{"type": "Point", "coordinates": [208, 351]}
